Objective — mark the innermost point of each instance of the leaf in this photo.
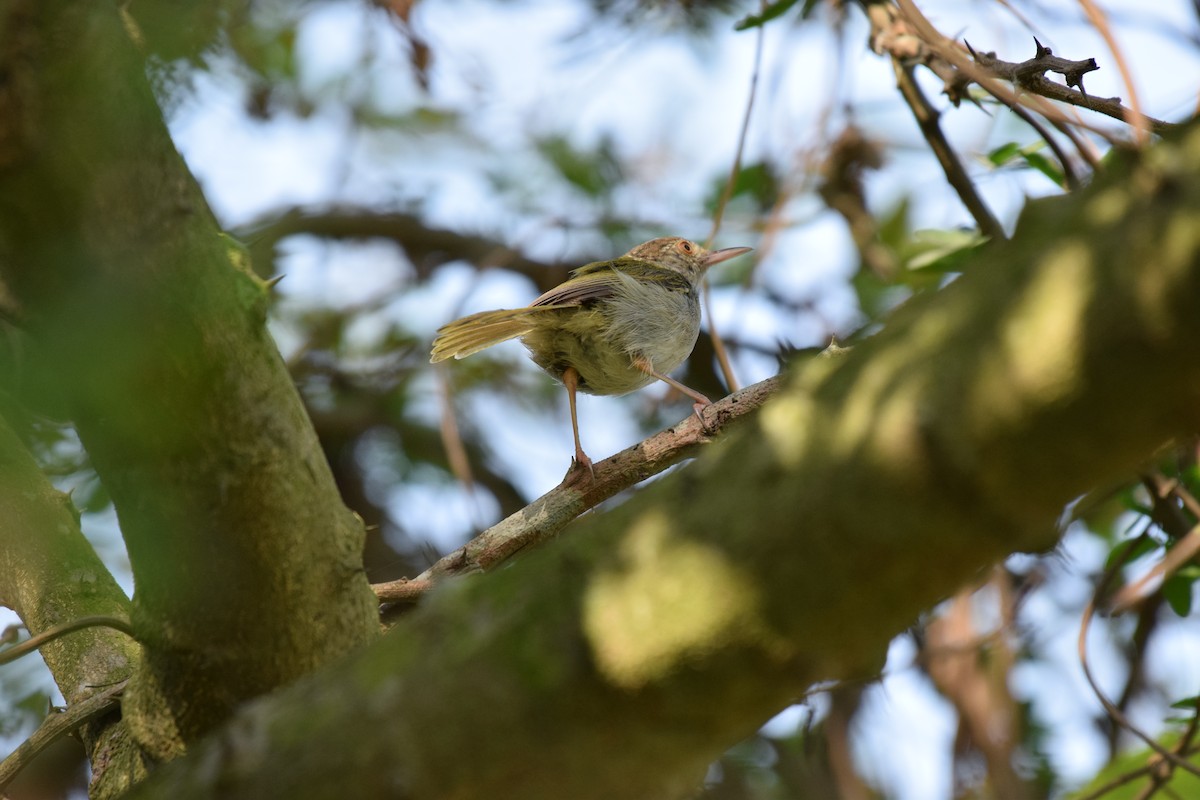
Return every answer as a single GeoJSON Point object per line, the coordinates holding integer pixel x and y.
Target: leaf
{"type": "Point", "coordinates": [773, 10]}
{"type": "Point", "coordinates": [594, 173]}
{"type": "Point", "coordinates": [1129, 550]}
{"type": "Point", "coordinates": [1181, 783]}
{"type": "Point", "coordinates": [1178, 593]}
{"type": "Point", "coordinates": [737, 273]}
{"type": "Point", "coordinates": [892, 228]}
{"type": "Point", "coordinates": [1129, 499]}
{"type": "Point", "coordinates": [755, 181]}
{"type": "Point", "coordinates": [1045, 166]}
{"type": "Point", "coordinates": [1010, 152]}
{"type": "Point", "coordinates": [1003, 154]}
{"type": "Point", "coordinates": [91, 497]}
{"type": "Point", "coordinates": [877, 297]}
{"type": "Point", "coordinates": [942, 250]}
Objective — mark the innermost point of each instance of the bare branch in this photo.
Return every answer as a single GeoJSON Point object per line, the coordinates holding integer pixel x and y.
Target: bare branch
{"type": "Point", "coordinates": [1110, 708]}
{"type": "Point", "coordinates": [56, 726]}
{"type": "Point", "coordinates": [41, 638]}
{"type": "Point", "coordinates": [427, 247]}
{"type": "Point", "coordinates": [909, 34]}
{"type": "Point", "coordinates": [1030, 76]}
{"type": "Point", "coordinates": [927, 120]}
{"type": "Point", "coordinates": [545, 517]}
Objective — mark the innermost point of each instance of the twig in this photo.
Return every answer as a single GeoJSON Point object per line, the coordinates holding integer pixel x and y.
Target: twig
{"type": "Point", "coordinates": [1029, 76]}
{"type": "Point", "coordinates": [579, 491]}
{"type": "Point", "coordinates": [1179, 555]}
{"type": "Point", "coordinates": [1132, 115]}
{"type": "Point", "coordinates": [426, 247]}
{"type": "Point", "coordinates": [1026, 73]}
{"type": "Point", "coordinates": [1069, 176]}
{"type": "Point", "coordinates": [1087, 151]}
{"type": "Point", "coordinates": [1128, 777]}
{"type": "Point", "coordinates": [1186, 546]}
{"type": "Point", "coordinates": [722, 354]}
{"type": "Point", "coordinates": [63, 628]}
{"type": "Point", "coordinates": [927, 119]}
{"type": "Point", "coordinates": [736, 168]}
{"type": "Point", "coordinates": [1034, 88]}
{"type": "Point", "coordinates": [452, 443]}
{"type": "Point", "coordinates": [1183, 746]}
{"type": "Point", "coordinates": [1113, 712]}
{"type": "Point", "coordinates": [57, 725]}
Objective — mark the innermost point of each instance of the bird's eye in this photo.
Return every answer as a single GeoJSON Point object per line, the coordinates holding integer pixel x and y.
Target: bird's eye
{"type": "Point", "coordinates": [685, 246]}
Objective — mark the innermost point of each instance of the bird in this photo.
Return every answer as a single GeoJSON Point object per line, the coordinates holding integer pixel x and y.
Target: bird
{"type": "Point", "coordinates": [611, 328]}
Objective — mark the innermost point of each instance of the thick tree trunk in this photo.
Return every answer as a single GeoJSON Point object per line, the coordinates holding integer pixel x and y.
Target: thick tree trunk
{"type": "Point", "coordinates": [149, 326]}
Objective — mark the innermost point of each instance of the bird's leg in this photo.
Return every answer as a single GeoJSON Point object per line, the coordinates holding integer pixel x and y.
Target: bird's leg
{"type": "Point", "coordinates": [570, 379]}
{"type": "Point", "coordinates": [643, 363]}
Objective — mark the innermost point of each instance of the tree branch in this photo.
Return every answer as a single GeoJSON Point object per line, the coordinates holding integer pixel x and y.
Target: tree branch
{"type": "Point", "coordinates": [901, 30]}
{"type": "Point", "coordinates": [927, 120]}
{"type": "Point", "coordinates": [427, 247]}
{"type": "Point", "coordinates": [152, 328]}
{"type": "Point", "coordinates": [871, 487]}
{"type": "Point", "coordinates": [1030, 76]}
{"type": "Point", "coordinates": [38, 640]}
{"type": "Point", "coordinates": [545, 517]}
{"type": "Point", "coordinates": [51, 577]}
{"type": "Point", "coordinates": [56, 726]}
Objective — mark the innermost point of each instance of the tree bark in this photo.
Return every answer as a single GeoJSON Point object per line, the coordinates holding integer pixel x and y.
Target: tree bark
{"type": "Point", "coordinates": [150, 327]}
{"type": "Point", "coordinates": [49, 574]}
{"type": "Point", "coordinates": [622, 658]}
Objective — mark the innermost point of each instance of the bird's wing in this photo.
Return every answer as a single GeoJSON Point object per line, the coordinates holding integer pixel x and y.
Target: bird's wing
{"type": "Point", "coordinates": [600, 279]}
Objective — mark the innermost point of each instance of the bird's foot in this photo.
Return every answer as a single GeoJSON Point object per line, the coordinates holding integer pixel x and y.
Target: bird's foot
{"type": "Point", "coordinates": [581, 465]}
{"type": "Point", "coordinates": [698, 410]}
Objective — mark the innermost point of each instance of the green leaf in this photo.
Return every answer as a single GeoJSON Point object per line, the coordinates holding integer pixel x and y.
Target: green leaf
{"type": "Point", "coordinates": [1045, 166]}
{"type": "Point", "coordinates": [594, 173]}
{"type": "Point", "coordinates": [1129, 550]}
{"type": "Point", "coordinates": [1031, 155]}
{"type": "Point", "coordinates": [737, 273]}
{"type": "Point", "coordinates": [877, 297]}
{"type": "Point", "coordinates": [1181, 783]}
{"type": "Point", "coordinates": [757, 182]}
{"type": "Point", "coordinates": [893, 226]}
{"type": "Point", "coordinates": [942, 250]}
{"type": "Point", "coordinates": [1004, 154]}
{"type": "Point", "coordinates": [1129, 499]}
{"type": "Point", "coordinates": [1187, 703]}
{"type": "Point", "coordinates": [773, 10]}
{"type": "Point", "coordinates": [1178, 592]}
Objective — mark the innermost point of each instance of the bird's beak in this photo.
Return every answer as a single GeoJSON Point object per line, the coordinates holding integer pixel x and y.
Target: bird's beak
{"type": "Point", "coordinates": [717, 256]}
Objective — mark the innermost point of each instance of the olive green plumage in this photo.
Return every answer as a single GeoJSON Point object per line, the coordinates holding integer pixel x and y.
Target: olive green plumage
{"type": "Point", "coordinates": [612, 327]}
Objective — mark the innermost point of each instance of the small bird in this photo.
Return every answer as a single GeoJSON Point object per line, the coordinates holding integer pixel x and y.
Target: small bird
{"type": "Point", "coordinates": [612, 327]}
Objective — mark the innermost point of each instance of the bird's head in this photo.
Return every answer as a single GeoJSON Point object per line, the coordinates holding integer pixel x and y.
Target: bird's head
{"type": "Point", "coordinates": [682, 255]}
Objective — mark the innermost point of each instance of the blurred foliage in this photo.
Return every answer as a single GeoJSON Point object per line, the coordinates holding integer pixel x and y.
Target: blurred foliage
{"type": "Point", "coordinates": [774, 10]}
{"type": "Point", "coordinates": [757, 183]}
{"type": "Point", "coordinates": [696, 15]}
{"type": "Point", "coordinates": [596, 173]}
{"type": "Point", "coordinates": [418, 121]}
{"type": "Point", "coordinates": [1029, 155]}
{"type": "Point", "coordinates": [1136, 774]}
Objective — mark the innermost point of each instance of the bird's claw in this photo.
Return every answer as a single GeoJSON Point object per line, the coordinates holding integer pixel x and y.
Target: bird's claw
{"type": "Point", "coordinates": [581, 462]}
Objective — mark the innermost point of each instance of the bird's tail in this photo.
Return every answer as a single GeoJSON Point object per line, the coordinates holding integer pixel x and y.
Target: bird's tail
{"type": "Point", "coordinates": [469, 335]}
